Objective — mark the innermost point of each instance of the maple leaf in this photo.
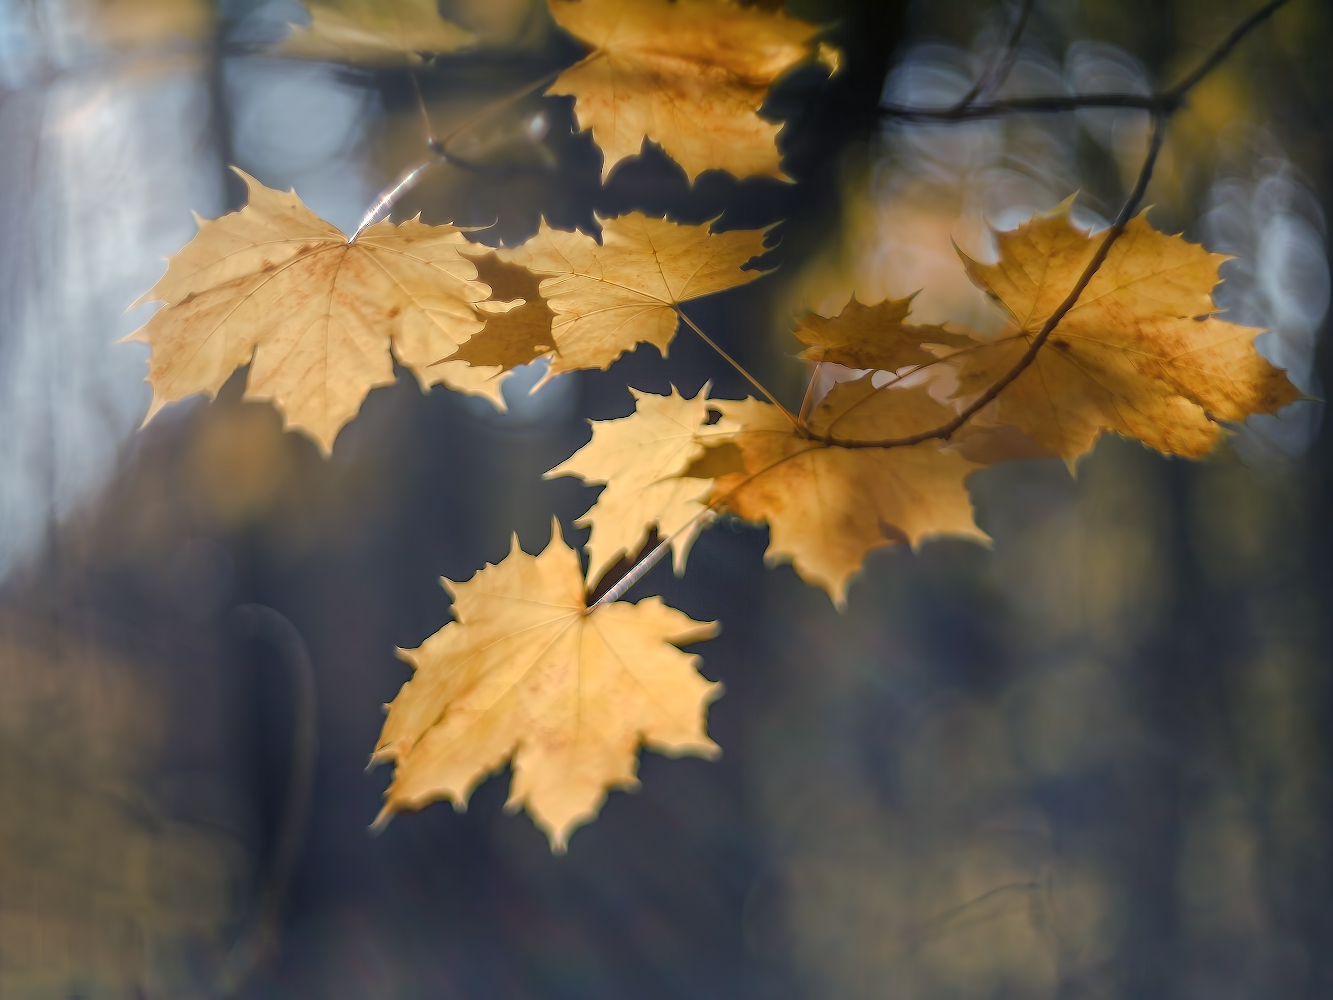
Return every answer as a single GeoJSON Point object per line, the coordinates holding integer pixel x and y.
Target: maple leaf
{"type": "Point", "coordinates": [313, 314]}
{"type": "Point", "coordinates": [827, 506]}
{"type": "Point", "coordinates": [375, 32]}
{"type": "Point", "coordinates": [691, 75]}
{"type": "Point", "coordinates": [1140, 353]}
{"type": "Point", "coordinates": [874, 337]}
{"type": "Point", "coordinates": [642, 459]}
{"type": "Point", "coordinates": [609, 297]}
{"type": "Point", "coordinates": [518, 320]}
{"type": "Point", "coordinates": [526, 673]}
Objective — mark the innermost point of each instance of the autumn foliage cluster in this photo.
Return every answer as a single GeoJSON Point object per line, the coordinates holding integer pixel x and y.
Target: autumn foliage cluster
{"type": "Point", "coordinates": [1108, 332]}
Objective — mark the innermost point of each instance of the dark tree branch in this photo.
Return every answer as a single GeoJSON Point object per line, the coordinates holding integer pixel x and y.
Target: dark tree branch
{"type": "Point", "coordinates": [1164, 103]}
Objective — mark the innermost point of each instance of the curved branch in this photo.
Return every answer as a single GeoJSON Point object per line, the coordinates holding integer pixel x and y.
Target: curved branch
{"type": "Point", "coordinates": [1004, 60]}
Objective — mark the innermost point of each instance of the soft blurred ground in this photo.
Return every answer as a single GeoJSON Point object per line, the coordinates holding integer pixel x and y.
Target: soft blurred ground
{"type": "Point", "coordinates": [1091, 761]}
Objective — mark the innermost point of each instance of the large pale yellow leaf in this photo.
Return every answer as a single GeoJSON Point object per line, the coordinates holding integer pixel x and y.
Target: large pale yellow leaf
{"type": "Point", "coordinates": [1140, 353]}
{"type": "Point", "coordinates": [690, 75]}
{"type": "Point", "coordinates": [313, 315]}
{"type": "Point", "coordinates": [642, 459]}
{"type": "Point", "coordinates": [874, 336]}
{"type": "Point", "coordinates": [827, 506]}
{"type": "Point", "coordinates": [375, 32]}
{"type": "Point", "coordinates": [609, 297]}
{"type": "Point", "coordinates": [526, 674]}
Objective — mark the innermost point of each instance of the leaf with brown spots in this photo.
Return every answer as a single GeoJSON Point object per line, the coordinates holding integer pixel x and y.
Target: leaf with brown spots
{"type": "Point", "coordinates": [875, 337]}
{"type": "Point", "coordinates": [1140, 353]}
{"type": "Point", "coordinates": [691, 75]}
{"type": "Point", "coordinates": [518, 319]}
{"type": "Point", "coordinates": [527, 674]}
{"type": "Point", "coordinates": [827, 506]}
{"type": "Point", "coordinates": [318, 318]}
{"type": "Point", "coordinates": [374, 32]}
{"type": "Point", "coordinates": [611, 296]}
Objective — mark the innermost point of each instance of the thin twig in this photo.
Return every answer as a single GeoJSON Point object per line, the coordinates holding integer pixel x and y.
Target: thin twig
{"type": "Point", "coordinates": [386, 200]}
{"type": "Point", "coordinates": [1164, 103]}
{"type": "Point", "coordinates": [442, 145]}
{"type": "Point", "coordinates": [737, 365]}
{"type": "Point", "coordinates": [1051, 104]}
{"type": "Point", "coordinates": [1230, 42]}
{"type": "Point", "coordinates": [639, 570]}
{"type": "Point", "coordinates": [1003, 61]}
{"type": "Point", "coordinates": [421, 106]}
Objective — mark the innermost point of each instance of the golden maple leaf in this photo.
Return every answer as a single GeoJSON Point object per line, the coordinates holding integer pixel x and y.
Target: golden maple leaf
{"type": "Point", "coordinates": [609, 297]}
{"type": "Point", "coordinates": [313, 314]}
{"type": "Point", "coordinates": [526, 673]}
{"type": "Point", "coordinates": [691, 75]}
{"type": "Point", "coordinates": [827, 506]}
{"type": "Point", "coordinates": [518, 320]}
{"type": "Point", "coordinates": [1140, 353]}
{"type": "Point", "coordinates": [374, 32]}
{"type": "Point", "coordinates": [642, 459]}
{"type": "Point", "coordinates": [874, 336]}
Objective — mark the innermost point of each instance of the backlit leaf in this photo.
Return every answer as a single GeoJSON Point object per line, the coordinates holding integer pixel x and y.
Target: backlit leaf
{"type": "Point", "coordinates": [525, 674]}
{"type": "Point", "coordinates": [317, 318]}
{"type": "Point", "coordinates": [609, 297]}
{"type": "Point", "coordinates": [827, 506]}
{"type": "Point", "coordinates": [691, 75]}
{"type": "Point", "coordinates": [1140, 353]}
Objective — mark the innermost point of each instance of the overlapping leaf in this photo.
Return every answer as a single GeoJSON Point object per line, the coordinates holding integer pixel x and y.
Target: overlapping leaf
{"type": "Point", "coordinates": [314, 315]}
{"type": "Point", "coordinates": [1140, 354]}
{"type": "Point", "coordinates": [374, 32]}
{"type": "Point", "coordinates": [875, 336]}
{"type": "Point", "coordinates": [527, 674]}
{"type": "Point", "coordinates": [609, 297]}
{"type": "Point", "coordinates": [643, 459]}
{"type": "Point", "coordinates": [827, 506]}
{"type": "Point", "coordinates": [518, 320]}
{"type": "Point", "coordinates": [691, 75]}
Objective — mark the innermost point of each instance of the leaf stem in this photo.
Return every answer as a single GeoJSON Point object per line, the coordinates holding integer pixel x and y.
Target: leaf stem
{"type": "Point", "coordinates": [641, 568]}
{"type": "Point", "coordinates": [808, 402]}
{"type": "Point", "coordinates": [737, 365]}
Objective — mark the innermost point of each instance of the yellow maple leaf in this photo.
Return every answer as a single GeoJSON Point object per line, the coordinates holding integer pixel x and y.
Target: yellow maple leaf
{"type": "Point", "coordinates": [518, 320]}
{"type": "Point", "coordinates": [526, 673]}
{"type": "Point", "coordinates": [609, 297]}
{"type": "Point", "coordinates": [873, 336]}
{"type": "Point", "coordinates": [313, 314]}
{"type": "Point", "coordinates": [1139, 354]}
{"type": "Point", "coordinates": [374, 32]}
{"type": "Point", "coordinates": [827, 506]}
{"type": "Point", "coordinates": [691, 75]}
{"type": "Point", "coordinates": [642, 459]}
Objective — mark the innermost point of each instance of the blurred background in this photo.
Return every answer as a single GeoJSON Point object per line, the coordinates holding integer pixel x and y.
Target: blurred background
{"type": "Point", "coordinates": [1091, 761]}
